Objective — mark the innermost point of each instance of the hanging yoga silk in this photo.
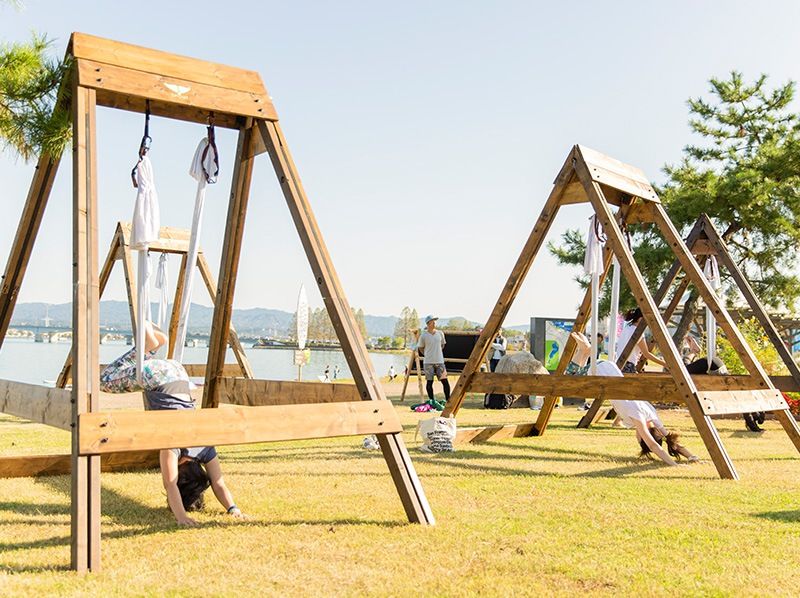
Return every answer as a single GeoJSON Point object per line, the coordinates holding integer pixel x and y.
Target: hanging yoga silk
{"type": "Point", "coordinates": [204, 163]}
{"type": "Point", "coordinates": [613, 315]}
{"type": "Point", "coordinates": [711, 270]}
{"type": "Point", "coordinates": [593, 265]}
{"type": "Point", "coordinates": [162, 281]}
{"type": "Point", "coordinates": [146, 223]}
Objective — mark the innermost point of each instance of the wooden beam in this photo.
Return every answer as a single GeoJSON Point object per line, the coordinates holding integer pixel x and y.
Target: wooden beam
{"type": "Point", "coordinates": [117, 431]}
{"type": "Point", "coordinates": [404, 476]}
{"type": "Point", "coordinates": [148, 60]}
{"type": "Point", "coordinates": [50, 406]}
{"type": "Point", "coordinates": [493, 433]}
{"type": "Point", "coordinates": [248, 392]}
{"type": "Point", "coordinates": [611, 172]}
{"type": "Point", "coordinates": [175, 315]}
{"type": "Point", "coordinates": [722, 402]}
{"type": "Point", "coordinates": [198, 370]}
{"type": "Point", "coordinates": [125, 82]}
{"type": "Point", "coordinates": [45, 465]}
{"type": "Point", "coordinates": [511, 288]}
{"type": "Point", "coordinates": [629, 388]}
{"type": "Point", "coordinates": [27, 230]}
{"type": "Point", "coordinates": [85, 486]}
{"type": "Point", "coordinates": [233, 338]}
{"type": "Point", "coordinates": [229, 265]}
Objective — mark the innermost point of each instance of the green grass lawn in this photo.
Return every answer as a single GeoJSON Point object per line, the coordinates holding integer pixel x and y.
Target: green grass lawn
{"type": "Point", "coordinates": [572, 512]}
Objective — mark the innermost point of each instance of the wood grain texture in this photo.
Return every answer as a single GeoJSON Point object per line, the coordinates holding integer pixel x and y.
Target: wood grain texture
{"type": "Point", "coordinates": [117, 431]}
{"type": "Point", "coordinates": [723, 402]}
{"type": "Point", "coordinates": [51, 406]}
{"type": "Point", "coordinates": [493, 433]}
{"type": "Point", "coordinates": [253, 393]}
{"type": "Point", "coordinates": [46, 465]}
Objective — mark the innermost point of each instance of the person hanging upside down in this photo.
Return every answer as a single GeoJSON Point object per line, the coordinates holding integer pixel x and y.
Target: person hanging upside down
{"type": "Point", "coordinates": [639, 415]}
{"type": "Point", "coordinates": [186, 472]}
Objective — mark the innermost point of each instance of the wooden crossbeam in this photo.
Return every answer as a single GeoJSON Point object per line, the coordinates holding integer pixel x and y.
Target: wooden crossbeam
{"type": "Point", "coordinates": [724, 402]}
{"type": "Point", "coordinates": [493, 433]}
{"type": "Point", "coordinates": [51, 406]}
{"type": "Point", "coordinates": [248, 392]}
{"type": "Point", "coordinates": [117, 431]}
{"type": "Point", "coordinates": [178, 86]}
{"type": "Point", "coordinates": [44, 465]}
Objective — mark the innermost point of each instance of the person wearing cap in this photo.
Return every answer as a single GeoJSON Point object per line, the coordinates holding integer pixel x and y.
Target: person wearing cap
{"type": "Point", "coordinates": [430, 346]}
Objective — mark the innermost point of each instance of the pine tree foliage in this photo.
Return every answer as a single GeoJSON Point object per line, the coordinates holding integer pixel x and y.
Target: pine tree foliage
{"type": "Point", "coordinates": [30, 121]}
{"type": "Point", "coordinates": [744, 172]}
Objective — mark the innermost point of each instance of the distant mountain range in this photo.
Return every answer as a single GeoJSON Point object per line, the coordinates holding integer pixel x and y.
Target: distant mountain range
{"type": "Point", "coordinates": [257, 321]}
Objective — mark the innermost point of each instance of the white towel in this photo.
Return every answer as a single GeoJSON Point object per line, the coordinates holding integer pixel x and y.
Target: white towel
{"type": "Point", "coordinates": [593, 259]}
{"type": "Point", "coordinates": [162, 282]}
{"type": "Point", "coordinates": [711, 271]}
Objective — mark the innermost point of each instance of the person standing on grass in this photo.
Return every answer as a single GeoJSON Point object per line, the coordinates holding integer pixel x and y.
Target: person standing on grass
{"type": "Point", "coordinates": [499, 345]}
{"type": "Point", "coordinates": [431, 347]}
{"type": "Point", "coordinates": [392, 373]}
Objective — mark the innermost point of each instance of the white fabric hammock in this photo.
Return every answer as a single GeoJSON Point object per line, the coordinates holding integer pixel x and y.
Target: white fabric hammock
{"type": "Point", "coordinates": [711, 271]}
{"type": "Point", "coordinates": [146, 224]}
{"type": "Point", "coordinates": [593, 265]}
{"type": "Point", "coordinates": [198, 171]}
{"type": "Point", "coordinates": [162, 282]}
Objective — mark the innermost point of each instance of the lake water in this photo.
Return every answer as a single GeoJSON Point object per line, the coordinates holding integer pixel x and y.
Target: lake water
{"type": "Point", "coordinates": [27, 361]}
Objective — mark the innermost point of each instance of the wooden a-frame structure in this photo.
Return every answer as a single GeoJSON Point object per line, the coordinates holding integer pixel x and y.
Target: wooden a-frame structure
{"type": "Point", "coordinates": [171, 241]}
{"type": "Point", "coordinates": [589, 176]}
{"type": "Point", "coordinates": [118, 75]}
{"type": "Point", "coordinates": [702, 241]}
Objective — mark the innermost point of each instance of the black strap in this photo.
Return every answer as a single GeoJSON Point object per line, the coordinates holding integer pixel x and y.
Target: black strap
{"type": "Point", "coordinates": [144, 146]}
{"type": "Point", "coordinates": [212, 144]}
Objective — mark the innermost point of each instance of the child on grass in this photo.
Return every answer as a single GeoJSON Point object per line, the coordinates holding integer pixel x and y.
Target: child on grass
{"type": "Point", "coordinates": [186, 472]}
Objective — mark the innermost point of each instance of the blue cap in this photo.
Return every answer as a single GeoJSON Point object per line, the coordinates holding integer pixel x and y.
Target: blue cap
{"type": "Point", "coordinates": [430, 318]}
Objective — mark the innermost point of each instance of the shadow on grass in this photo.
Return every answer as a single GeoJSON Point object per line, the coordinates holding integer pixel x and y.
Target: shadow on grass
{"type": "Point", "coordinates": [780, 516]}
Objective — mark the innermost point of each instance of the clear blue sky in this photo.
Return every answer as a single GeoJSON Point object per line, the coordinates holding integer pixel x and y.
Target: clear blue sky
{"type": "Point", "coordinates": [427, 134]}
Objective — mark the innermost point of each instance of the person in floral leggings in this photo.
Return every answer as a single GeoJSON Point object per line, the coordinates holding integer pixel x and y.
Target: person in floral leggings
{"type": "Point", "coordinates": [186, 472]}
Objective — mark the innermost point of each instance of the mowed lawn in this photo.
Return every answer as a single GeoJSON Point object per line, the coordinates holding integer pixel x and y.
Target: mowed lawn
{"type": "Point", "coordinates": [572, 512]}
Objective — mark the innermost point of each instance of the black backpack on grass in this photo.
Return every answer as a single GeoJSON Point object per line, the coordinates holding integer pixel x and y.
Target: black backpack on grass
{"type": "Point", "coordinates": [497, 401]}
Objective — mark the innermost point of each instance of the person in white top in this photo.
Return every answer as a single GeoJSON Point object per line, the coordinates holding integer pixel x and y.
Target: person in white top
{"type": "Point", "coordinates": [639, 415]}
{"type": "Point", "coordinates": [431, 347]}
{"type": "Point", "coordinates": [632, 319]}
{"type": "Point", "coordinates": [499, 345]}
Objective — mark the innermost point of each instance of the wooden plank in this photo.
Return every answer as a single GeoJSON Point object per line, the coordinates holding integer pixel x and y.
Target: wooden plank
{"type": "Point", "coordinates": [619, 175]}
{"type": "Point", "coordinates": [126, 55]}
{"type": "Point", "coordinates": [629, 388]}
{"type": "Point", "coordinates": [170, 239]}
{"type": "Point", "coordinates": [404, 476]}
{"type": "Point", "coordinates": [50, 406]}
{"type": "Point", "coordinates": [85, 483]}
{"type": "Point", "coordinates": [722, 402]}
{"type": "Point", "coordinates": [493, 433]}
{"type": "Point", "coordinates": [785, 383]}
{"type": "Point", "coordinates": [253, 393]}
{"type": "Point", "coordinates": [229, 265]}
{"type": "Point", "coordinates": [46, 465]}
{"type": "Point", "coordinates": [112, 99]}
{"type": "Point", "coordinates": [511, 288]}
{"type": "Point", "coordinates": [198, 370]}
{"type": "Point", "coordinates": [175, 315]}
{"type": "Point", "coordinates": [27, 230]}
{"type": "Point", "coordinates": [656, 323]}
{"type": "Point", "coordinates": [172, 90]}
{"type": "Point", "coordinates": [117, 431]}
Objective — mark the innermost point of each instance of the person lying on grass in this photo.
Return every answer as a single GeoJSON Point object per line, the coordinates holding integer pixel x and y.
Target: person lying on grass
{"type": "Point", "coordinates": [639, 415]}
{"type": "Point", "coordinates": [186, 472]}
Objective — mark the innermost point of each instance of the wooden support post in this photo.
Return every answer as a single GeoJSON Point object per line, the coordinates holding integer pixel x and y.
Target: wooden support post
{"type": "Point", "coordinates": [233, 337]}
{"type": "Point", "coordinates": [176, 308]}
{"type": "Point", "coordinates": [412, 363]}
{"type": "Point", "coordinates": [229, 263]}
{"type": "Point", "coordinates": [511, 288]}
{"type": "Point", "coordinates": [652, 316]}
{"type": "Point", "coordinates": [85, 505]}
{"type": "Point", "coordinates": [412, 495]}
